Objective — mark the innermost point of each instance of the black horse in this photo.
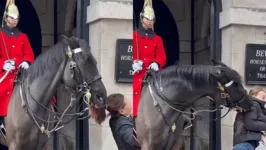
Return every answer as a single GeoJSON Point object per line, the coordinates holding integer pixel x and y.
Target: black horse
{"type": "Point", "coordinates": [29, 121]}
{"type": "Point", "coordinates": [167, 94]}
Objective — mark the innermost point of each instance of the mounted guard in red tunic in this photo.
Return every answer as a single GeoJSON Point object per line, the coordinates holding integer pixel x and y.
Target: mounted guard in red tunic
{"type": "Point", "coordinates": [15, 53]}
{"type": "Point", "coordinates": [148, 52]}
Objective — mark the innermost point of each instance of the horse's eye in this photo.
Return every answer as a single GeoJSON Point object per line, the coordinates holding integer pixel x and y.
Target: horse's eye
{"type": "Point", "coordinates": [85, 64]}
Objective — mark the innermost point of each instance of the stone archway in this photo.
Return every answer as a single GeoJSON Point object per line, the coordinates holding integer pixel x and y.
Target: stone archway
{"type": "Point", "coordinates": [29, 23]}
{"type": "Point", "coordinates": [168, 33]}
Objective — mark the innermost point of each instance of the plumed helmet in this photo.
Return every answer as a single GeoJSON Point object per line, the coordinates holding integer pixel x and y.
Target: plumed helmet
{"type": "Point", "coordinates": [12, 11]}
{"type": "Point", "coordinates": [148, 11]}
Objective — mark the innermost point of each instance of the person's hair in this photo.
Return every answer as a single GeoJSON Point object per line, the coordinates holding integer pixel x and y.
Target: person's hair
{"type": "Point", "coordinates": [255, 91]}
{"type": "Point", "coordinates": [115, 102]}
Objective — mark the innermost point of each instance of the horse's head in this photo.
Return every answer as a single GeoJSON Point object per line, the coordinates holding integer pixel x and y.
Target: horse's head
{"type": "Point", "coordinates": [230, 86]}
{"type": "Point", "coordinates": [82, 76]}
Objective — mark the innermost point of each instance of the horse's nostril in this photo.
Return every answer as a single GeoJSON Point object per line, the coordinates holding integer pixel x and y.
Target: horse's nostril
{"type": "Point", "coordinates": [99, 98]}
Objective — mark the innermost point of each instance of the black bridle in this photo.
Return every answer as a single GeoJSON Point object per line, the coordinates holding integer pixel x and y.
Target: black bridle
{"type": "Point", "coordinates": [83, 86]}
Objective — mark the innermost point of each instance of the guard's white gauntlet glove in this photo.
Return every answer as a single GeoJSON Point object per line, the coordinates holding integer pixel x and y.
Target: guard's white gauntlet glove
{"type": "Point", "coordinates": [154, 66]}
{"type": "Point", "coordinates": [24, 65]}
{"type": "Point", "coordinates": [137, 65]}
{"type": "Point", "coordinates": [8, 66]}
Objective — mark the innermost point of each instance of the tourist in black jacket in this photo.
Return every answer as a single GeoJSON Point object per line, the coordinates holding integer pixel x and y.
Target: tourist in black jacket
{"type": "Point", "coordinates": [121, 122]}
{"type": "Point", "coordinates": [249, 125]}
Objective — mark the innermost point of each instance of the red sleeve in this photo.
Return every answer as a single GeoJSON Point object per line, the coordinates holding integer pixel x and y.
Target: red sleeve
{"type": "Point", "coordinates": [160, 56]}
{"type": "Point", "coordinates": [27, 50]}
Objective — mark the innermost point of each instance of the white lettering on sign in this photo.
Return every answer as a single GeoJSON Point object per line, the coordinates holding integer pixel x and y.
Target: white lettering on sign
{"type": "Point", "coordinates": [260, 53]}
{"type": "Point", "coordinates": [126, 57]}
{"type": "Point", "coordinates": [130, 49]}
{"type": "Point", "coordinates": [257, 62]}
{"type": "Point", "coordinates": [262, 68]}
{"type": "Point", "coordinates": [131, 72]}
{"type": "Point", "coordinates": [261, 75]}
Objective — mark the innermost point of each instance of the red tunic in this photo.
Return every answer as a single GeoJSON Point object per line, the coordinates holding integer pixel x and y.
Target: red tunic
{"type": "Point", "coordinates": [150, 49]}
{"type": "Point", "coordinates": [18, 49]}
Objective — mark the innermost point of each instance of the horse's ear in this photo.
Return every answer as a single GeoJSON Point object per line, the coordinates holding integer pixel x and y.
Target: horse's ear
{"type": "Point", "coordinates": [66, 40]}
{"type": "Point", "coordinates": [218, 63]}
{"type": "Point", "coordinates": [75, 38]}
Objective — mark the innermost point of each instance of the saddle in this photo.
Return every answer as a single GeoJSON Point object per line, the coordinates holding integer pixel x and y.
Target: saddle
{"type": "Point", "coordinates": [148, 76]}
{"type": "Point", "coordinates": [18, 76]}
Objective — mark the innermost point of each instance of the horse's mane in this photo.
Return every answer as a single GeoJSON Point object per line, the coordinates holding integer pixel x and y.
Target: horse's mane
{"type": "Point", "coordinates": [48, 60]}
{"type": "Point", "coordinates": [195, 76]}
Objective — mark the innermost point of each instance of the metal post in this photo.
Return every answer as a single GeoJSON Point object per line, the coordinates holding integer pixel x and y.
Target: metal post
{"type": "Point", "coordinates": [55, 137]}
{"type": "Point", "coordinates": [82, 127]}
{"type": "Point", "coordinates": [192, 60]}
{"type": "Point", "coordinates": [215, 126]}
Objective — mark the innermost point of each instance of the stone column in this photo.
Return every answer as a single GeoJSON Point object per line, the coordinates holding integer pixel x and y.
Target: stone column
{"type": "Point", "coordinates": [108, 21]}
{"type": "Point", "coordinates": [241, 22]}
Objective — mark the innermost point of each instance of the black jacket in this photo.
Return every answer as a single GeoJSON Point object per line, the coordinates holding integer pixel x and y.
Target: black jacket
{"type": "Point", "coordinates": [248, 125]}
{"type": "Point", "coordinates": [122, 129]}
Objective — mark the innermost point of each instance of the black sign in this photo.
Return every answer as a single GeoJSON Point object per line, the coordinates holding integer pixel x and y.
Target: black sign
{"type": "Point", "coordinates": [123, 63]}
{"type": "Point", "coordinates": [255, 71]}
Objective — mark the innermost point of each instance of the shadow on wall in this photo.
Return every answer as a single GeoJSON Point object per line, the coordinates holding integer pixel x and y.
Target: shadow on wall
{"type": "Point", "coordinates": [29, 23]}
{"type": "Point", "coordinates": [164, 26]}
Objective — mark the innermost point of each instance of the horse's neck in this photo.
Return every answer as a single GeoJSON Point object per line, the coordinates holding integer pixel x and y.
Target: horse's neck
{"type": "Point", "coordinates": [43, 88]}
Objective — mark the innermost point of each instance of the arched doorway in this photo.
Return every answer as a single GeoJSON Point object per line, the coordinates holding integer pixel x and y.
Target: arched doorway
{"type": "Point", "coordinates": [29, 23]}
{"type": "Point", "coordinates": [168, 33]}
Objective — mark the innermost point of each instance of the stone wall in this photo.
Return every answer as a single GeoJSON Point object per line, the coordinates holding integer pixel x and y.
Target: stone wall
{"type": "Point", "coordinates": [108, 21]}
{"type": "Point", "coordinates": [241, 22]}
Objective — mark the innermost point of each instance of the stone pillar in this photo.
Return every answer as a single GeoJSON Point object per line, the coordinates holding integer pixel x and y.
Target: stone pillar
{"type": "Point", "coordinates": [108, 21]}
{"type": "Point", "coordinates": [241, 22]}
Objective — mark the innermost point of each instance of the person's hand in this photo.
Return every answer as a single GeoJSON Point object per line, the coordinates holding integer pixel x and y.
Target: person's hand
{"type": "Point", "coordinates": [137, 65]}
{"type": "Point", "coordinates": [12, 62]}
{"type": "Point", "coordinates": [154, 66]}
{"type": "Point", "coordinates": [8, 66]}
{"type": "Point", "coordinates": [24, 65]}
